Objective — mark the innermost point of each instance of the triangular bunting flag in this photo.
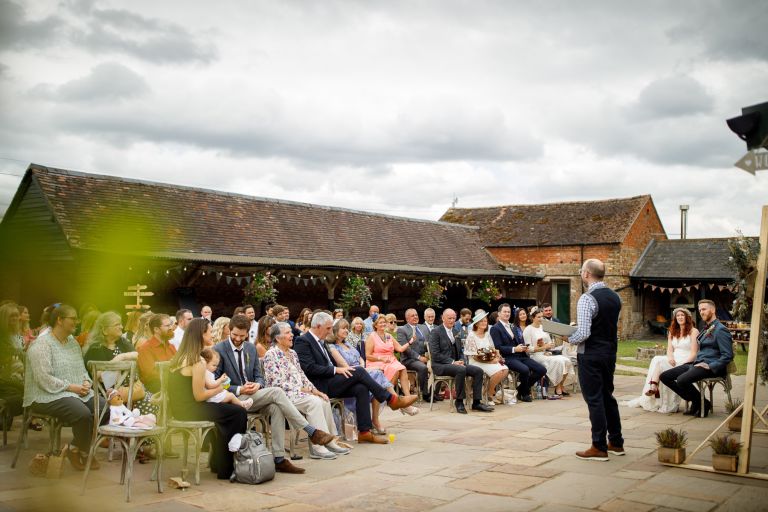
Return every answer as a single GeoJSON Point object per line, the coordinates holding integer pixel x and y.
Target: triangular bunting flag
{"type": "Point", "coordinates": [711, 285]}
{"type": "Point", "coordinates": [653, 287]}
{"type": "Point", "coordinates": [305, 281]}
{"type": "Point", "coordinates": [229, 279]}
{"type": "Point", "coordinates": [239, 281]}
{"type": "Point", "coordinates": [247, 280]}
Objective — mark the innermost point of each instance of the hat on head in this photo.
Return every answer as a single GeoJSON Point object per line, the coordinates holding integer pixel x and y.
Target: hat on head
{"type": "Point", "coordinates": [479, 315]}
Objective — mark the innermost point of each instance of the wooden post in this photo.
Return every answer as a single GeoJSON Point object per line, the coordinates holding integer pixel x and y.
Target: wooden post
{"type": "Point", "coordinates": [758, 302]}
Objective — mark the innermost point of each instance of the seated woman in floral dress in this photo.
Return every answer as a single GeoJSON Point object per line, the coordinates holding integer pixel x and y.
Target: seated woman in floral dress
{"type": "Point", "coordinates": [346, 356]}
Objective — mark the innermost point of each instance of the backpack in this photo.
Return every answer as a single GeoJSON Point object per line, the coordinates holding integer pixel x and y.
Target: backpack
{"type": "Point", "coordinates": [254, 464]}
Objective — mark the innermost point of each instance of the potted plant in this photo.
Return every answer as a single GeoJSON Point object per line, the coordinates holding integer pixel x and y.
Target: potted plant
{"type": "Point", "coordinates": [355, 294]}
{"type": "Point", "coordinates": [725, 456]}
{"type": "Point", "coordinates": [672, 445]}
{"type": "Point", "coordinates": [432, 294]}
{"type": "Point", "coordinates": [261, 288]}
{"type": "Point", "coordinates": [734, 424]}
{"type": "Point", "coordinates": [487, 291]}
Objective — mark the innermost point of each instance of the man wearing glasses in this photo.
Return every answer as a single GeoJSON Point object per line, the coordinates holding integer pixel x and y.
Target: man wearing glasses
{"type": "Point", "coordinates": [157, 348]}
{"type": "Point", "coordinates": [597, 342]}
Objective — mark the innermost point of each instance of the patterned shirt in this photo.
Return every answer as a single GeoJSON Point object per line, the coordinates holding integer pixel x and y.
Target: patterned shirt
{"type": "Point", "coordinates": [586, 310]}
{"type": "Point", "coordinates": [51, 368]}
{"type": "Point", "coordinates": [283, 371]}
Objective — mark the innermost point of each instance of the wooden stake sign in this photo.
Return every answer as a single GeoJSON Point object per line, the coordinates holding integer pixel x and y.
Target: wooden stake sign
{"type": "Point", "coordinates": [136, 291]}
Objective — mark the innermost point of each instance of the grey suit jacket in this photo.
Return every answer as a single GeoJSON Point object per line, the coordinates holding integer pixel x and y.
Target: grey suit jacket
{"type": "Point", "coordinates": [419, 348]}
{"type": "Point", "coordinates": [228, 364]}
{"type": "Point", "coordinates": [441, 347]}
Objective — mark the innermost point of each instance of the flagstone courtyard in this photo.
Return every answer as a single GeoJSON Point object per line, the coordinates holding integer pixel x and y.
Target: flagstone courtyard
{"type": "Point", "coordinates": [518, 458]}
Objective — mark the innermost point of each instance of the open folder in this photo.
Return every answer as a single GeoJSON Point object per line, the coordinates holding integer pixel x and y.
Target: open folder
{"type": "Point", "coordinates": [557, 328]}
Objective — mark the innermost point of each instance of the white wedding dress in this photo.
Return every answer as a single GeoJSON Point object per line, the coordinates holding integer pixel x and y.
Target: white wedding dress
{"type": "Point", "coordinates": [668, 402]}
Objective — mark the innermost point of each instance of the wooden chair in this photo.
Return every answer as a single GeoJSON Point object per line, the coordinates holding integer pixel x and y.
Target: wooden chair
{"type": "Point", "coordinates": [195, 429]}
{"type": "Point", "coordinates": [5, 420]}
{"type": "Point", "coordinates": [710, 384]}
{"type": "Point", "coordinates": [434, 380]}
{"type": "Point", "coordinates": [130, 439]}
{"type": "Point", "coordinates": [54, 426]}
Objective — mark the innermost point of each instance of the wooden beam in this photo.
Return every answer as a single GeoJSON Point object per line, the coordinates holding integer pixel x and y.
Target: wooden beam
{"type": "Point", "coordinates": [758, 301]}
{"type": "Point", "coordinates": [710, 469]}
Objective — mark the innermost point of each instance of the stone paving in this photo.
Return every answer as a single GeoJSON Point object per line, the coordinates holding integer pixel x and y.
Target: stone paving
{"type": "Point", "coordinates": [517, 458]}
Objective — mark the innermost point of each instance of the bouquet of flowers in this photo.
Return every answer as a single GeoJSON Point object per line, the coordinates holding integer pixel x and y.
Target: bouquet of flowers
{"type": "Point", "coordinates": [486, 354]}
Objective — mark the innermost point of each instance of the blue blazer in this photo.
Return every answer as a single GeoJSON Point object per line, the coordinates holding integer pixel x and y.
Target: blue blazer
{"type": "Point", "coordinates": [313, 361]}
{"type": "Point", "coordinates": [228, 364]}
{"type": "Point", "coordinates": [715, 347]}
{"type": "Point", "coordinates": [506, 344]}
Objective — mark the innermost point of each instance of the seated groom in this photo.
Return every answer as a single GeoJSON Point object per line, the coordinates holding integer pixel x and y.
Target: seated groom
{"type": "Point", "coordinates": [240, 362]}
{"type": "Point", "coordinates": [343, 382]}
{"type": "Point", "coordinates": [447, 359]}
{"type": "Point", "coordinates": [714, 355]}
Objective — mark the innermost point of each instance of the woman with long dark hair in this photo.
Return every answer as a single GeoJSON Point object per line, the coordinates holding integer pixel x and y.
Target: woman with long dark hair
{"type": "Point", "coordinates": [681, 349]}
{"type": "Point", "coordinates": [188, 396]}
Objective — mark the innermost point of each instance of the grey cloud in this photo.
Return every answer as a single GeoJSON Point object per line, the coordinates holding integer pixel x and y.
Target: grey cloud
{"type": "Point", "coordinates": [109, 81]}
{"type": "Point", "coordinates": [728, 30]}
{"type": "Point", "coordinates": [18, 32]}
{"type": "Point", "coordinates": [672, 97]}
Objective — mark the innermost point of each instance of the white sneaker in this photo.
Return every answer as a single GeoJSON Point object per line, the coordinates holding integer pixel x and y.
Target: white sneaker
{"type": "Point", "coordinates": [333, 447]}
{"type": "Point", "coordinates": [320, 452]}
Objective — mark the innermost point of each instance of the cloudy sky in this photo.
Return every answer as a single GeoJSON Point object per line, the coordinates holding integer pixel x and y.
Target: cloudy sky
{"type": "Point", "coordinates": [397, 106]}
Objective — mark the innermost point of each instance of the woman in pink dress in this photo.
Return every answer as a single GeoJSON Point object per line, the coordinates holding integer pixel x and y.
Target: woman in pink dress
{"type": "Point", "coordinates": [380, 353]}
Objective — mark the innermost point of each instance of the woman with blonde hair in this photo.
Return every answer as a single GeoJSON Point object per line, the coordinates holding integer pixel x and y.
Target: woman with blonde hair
{"type": "Point", "coordinates": [143, 332]}
{"type": "Point", "coordinates": [86, 325]}
{"type": "Point", "coordinates": [220, 330]}
{"type": "Point", "coordinates": [380, 349]}
{"type": "Point", "coordinates": [357, 335]}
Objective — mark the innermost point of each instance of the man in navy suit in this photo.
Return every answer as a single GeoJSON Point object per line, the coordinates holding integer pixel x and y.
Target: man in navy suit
{"type": "Point", "coordinates": [515, 354]}
{"type": "Point", "coordinates": [240, 362]}
{"type": "Point", "coordinates": [343, 382]}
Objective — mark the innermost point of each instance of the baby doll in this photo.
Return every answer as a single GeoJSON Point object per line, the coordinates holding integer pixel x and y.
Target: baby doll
{"type": "Point", "coordinates": [212, 358]}
{"type": "Point", "coordinates": [120, 415]}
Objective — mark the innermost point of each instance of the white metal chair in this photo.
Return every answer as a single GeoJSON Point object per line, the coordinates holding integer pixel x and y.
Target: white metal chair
{"type": "Point", "coordinates": [130, 439]}
{"type": "Point", "coordinates": [197, 430]}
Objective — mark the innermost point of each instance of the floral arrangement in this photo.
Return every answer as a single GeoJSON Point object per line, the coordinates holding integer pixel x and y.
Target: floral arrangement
{"type": "Point", "coordinates": [261, 288]}
{"type": "Point", "coordinates": [743, 259]}
{"type": "Point", "coordinates": [487, 291]}
{"type": "Point", "coordinates": [725, 445]}
{"type": "Point", "coordinates": [432, 294]}
{"type": "Point", "coordinates": [486, 354]}
{"type": "Point", "coordinates": [356, 293]}
{"type": "Point", "coordinates": [671, 438]}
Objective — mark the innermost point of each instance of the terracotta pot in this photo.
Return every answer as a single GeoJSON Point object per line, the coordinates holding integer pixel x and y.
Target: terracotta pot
{"type": "Point", "coordinates": [734, 424]}
{"type": "Point", "coordinates": [671, 455]}
{"type": "Point", "coordinates": [725, 462]}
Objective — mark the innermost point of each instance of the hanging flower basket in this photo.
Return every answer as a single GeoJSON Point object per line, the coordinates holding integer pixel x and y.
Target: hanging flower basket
{"type": "Point", "coordinates": [355, 294]}
{"type": "Point", "coordinates": [432, 294]}
{"type": "Point", "coordinates": [487, 291]}
{"type": "Point", "coordinates": [261, 289]}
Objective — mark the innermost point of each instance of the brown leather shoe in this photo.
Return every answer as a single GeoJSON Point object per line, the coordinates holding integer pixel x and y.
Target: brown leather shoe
{"type": "Point", "coordinates": [94, 463]}
{"type": "Point", "coordinates": [286, 467]}
{"type": "Point", "coordinates": [73, 454]}
{"type": "Point", "coordinates": [592, 453]}
{"type": "Point", "coordinates": [616, 450]}
{"type": "Point", "coordinates": [321, 437]}
{"type": "Point", "coordinates": [402, 402]}
{"type": "Point", "coordinates": [369, 437]}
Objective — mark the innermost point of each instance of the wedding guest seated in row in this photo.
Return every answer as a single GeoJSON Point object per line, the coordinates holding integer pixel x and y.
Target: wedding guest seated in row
{"type": "Point", "coordinates": [240, 362]}
{"type": "Point", "coordinates": [11, 357]}
{"type": "Point", "coordinates": [220, 329]}
{"type": "Point", "coordinates": [414, 357]}
{"type": "Point", "coordinates": [56, 383]}
{"type": "Point", "coordinates": [356, 337]}
{"type": "Point", "coordinates": [482, 353]}
{"type": "Point", "coordinates": [558, 367]}
{"type": "Point", "coordinates": [346, 356]}
{"type": "Point", "coordinates": [262, 335]}
{"type": "Point", "coordinates": [448, 359]}
{"type": "Point", "coordinates": [188, 396]}
{"type": "Point", "coordinates": [380, 349]}
{"type": "Point", "coordinates": [508, 339]}
{"type": "Point", "coordinates": [282, 370]}
{"type": "Point", "coordinates": [715, 352]}
{"type": "Point", "coordinates": [343, 382]}
{"type": "Point", "coordinates": [682, 349]}
{"type": "Point", "coordinates": [546, 308]}
{"type": "Point", "coordinates": [158, 348]}
{"type": "Point", "coordinates": [303, 320]}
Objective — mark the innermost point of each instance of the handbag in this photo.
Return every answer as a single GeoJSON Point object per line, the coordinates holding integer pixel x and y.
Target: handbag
{"type": "Point", "coordinates": [138, 392]}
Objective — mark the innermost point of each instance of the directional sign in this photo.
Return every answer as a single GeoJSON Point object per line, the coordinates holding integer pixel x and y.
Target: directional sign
{"type": "Point", "coordinates": [753, 161]}
{"type": "Point", "coordinates": [136, 291]}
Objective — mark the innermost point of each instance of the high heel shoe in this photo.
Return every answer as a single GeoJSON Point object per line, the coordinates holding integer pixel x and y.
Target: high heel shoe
{"type": "Point", "coordinates": [410, 410]}
{"type": "Point", "coordinates": [653, 390]}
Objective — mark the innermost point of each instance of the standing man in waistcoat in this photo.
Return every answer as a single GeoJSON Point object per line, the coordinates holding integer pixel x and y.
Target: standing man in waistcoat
{"type": "Point", "coordinates": [597, 341]}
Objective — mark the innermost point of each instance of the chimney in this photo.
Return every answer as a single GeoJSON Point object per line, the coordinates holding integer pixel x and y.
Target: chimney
{"type": "Point", "coordinates": [683, 221]}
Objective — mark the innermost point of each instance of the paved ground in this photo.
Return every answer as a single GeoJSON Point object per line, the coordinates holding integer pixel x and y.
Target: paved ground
{"type": "Point", "coordinates": [518, 458]}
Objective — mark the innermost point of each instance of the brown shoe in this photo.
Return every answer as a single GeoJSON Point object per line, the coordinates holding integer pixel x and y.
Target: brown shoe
{"type": "Point", "coordinates": [94, 463]}
{"type": "Point", "coordinates": [73, 454]}
{"type": "Point", "coordinates": [369, 437]}
{"type": "Point", "coordinates": [401, 402]}
{"type": "Point", "coordinates": [321, 437]}
{"type": "Point", "coordinates": [286, 467]}
{"type": "Point", "coordinates": [592, 453]}
{"type": "Point", "coordinates": [616, 450]}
